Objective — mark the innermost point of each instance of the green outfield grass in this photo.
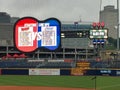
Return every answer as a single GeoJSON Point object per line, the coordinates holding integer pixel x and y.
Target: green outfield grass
{"type": "Point", "coordinates": [102, 82]}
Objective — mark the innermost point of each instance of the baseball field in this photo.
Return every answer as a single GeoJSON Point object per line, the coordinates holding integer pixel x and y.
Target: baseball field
{"type": "Point", "coordinates": [17, 82]}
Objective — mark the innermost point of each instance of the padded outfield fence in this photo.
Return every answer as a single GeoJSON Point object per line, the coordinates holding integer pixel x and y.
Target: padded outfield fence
{"type": "Point", "coordinates": [71, 71]}
{"type": "Point", "coordinates": [90, 79]}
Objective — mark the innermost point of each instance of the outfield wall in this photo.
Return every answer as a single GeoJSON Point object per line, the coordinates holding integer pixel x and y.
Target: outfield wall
{"type": "Point", "coordinates": [78, 72]}
{"type": "Point", "coordinates": [35, 71]}
{"type": "Point", "coordinates": [44, 71]}
{"type": "Point", "coordinates": [14, 71]}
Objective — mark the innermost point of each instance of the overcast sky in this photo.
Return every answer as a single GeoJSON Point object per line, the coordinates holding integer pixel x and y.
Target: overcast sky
{"type": "Point", "coordinates": [64, 10]}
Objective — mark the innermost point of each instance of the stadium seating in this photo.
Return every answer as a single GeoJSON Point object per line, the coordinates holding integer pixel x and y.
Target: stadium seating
{"type": "Point", "coordinates": [34, 64]}
{"type": "Point", "coordinates": [25, 63]}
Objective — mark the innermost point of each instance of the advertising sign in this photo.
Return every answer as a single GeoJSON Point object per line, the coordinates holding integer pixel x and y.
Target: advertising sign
{"type": "Point", "coordinates": [117, 72]}
{"type": "Point", "coordinates": [100, 33]}
{"type": "Point", "coordinates": [98, 41]}
{"type": "Point", "coordinates": [31, 34]}
{"type": "Point", "coordinates": [44, 71]}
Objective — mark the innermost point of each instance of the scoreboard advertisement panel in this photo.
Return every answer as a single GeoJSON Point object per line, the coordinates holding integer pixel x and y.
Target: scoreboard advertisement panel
{"type": "Point", "coordinates": [31, 34]}
{"type": "Point", "coordinates": [99, 34]}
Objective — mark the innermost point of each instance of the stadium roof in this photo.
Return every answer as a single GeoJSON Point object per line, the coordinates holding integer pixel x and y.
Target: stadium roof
{"type": "Point", "coordinates": [73, 27]}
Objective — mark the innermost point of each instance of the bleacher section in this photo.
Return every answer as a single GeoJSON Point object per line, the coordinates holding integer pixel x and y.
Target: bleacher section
{"type": "Point", "coordinates": [100, 64]}
{"type": "Point", "coordinates": [34, 64]}
{"type": "Point", "coordinates": [27, 63]}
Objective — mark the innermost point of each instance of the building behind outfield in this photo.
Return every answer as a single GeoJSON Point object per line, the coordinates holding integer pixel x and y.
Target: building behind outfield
{"type": "Point", "coordinates": [109, 16]}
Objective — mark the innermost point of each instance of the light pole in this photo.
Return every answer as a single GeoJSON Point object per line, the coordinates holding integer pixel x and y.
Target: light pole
{"type": "Point", "coordinates": [118, 25]}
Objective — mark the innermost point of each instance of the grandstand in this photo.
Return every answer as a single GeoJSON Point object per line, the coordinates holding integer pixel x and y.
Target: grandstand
{"type": "Point", "coordinates": [75, 46]}
{"type": "Point", "coordinates": [75, 43]}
